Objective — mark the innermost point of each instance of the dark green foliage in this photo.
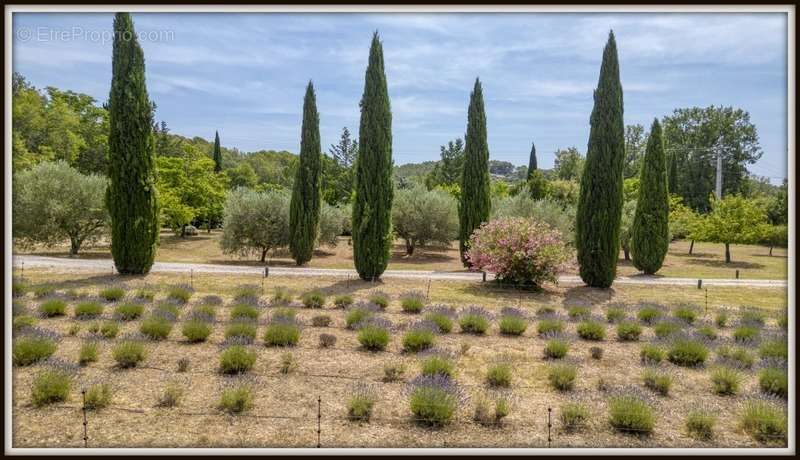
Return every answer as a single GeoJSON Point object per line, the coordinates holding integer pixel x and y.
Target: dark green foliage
{"type": "Point", "coordinates": [473, 209]}
{"type": "Point", "coordinates": [132, 198]}
{"type": "Point", "coordinates": [600, 201]}
{"type": "Point", "coordinates": [650, 231]}
{"type": "Point", "coordinates": [306, 199]}
{"type": "Point", "coordinates": [372, 207]}
{"type": "Point", "coordinates": [532, 163]}
{"type": "Point", "coordinates": [217, 153]}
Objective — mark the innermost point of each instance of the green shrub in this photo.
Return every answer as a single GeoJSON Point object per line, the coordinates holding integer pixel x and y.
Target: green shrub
{"type": "Point", "coordinates": [700, 425]}
{"type": "Point", "coordinates": [473, 322]}
{"type": "Point", "coordinates": [98, 396]}
{"type": "Point", "coordinates": [512, 325]}
{"type": "Point", "coordinates": [549, 326]}
{"type": "Point", "coordinates": [433, 401]}
{"type": "Point", "coordinates": [499, 375]}
{"type": "Point", "coordinates": [373, 338]}
{"type": "Point", "coordinates": [196, 331]}
{"type": "Point", "coordinates": [244, 329]}
{"type": "Point", "coordinates": [763, 421]}
{"type": "Point", "coordinates": [573, 416]}
{"type": "Point", "coordinates": [128, 311]}
{"type": "Point", "coordinates": [774, 381]}
{"type": "Point", "coordinates": [43, 290]}
{"type": "Point", "coordinates": [313, 299]}
{"type": "Point", "coordinates": [53, 307]}
{"type": "Point", "coordinates": [236, 400]}
{"type": "Point", "coordinates": [179, 293]}
{"type": "Point", "coordinates": [156, 327]}
{"type": "Point", "coordinates": [18, 288]}
{"type": "Point", "coordinates": [343, 301]}
{"type": "Point", "coordinates": [50, 386]}
{"type": "Point", "coordinates": [562, 377]}
{"type": "Point", "coordinates": [321, 321]}
{"type": "Point", "coordinates": [615, 314]}
{"type": "Point", "coordinates": [630, 414]}
{"type": "Point", "coordinates": [442, 320]}
{"type": "Point", "coordinates": [576, 312]}
{"type": "Point", "coordinates": [666, 329]}
{"type": "Point", "coordinates": [109, 329]}
{"type": "Point", "coordinates": [30, 349]}
{"type": "Point", "coordinates": [281, 296]}
{"type": "Point", "coordinates": [281, 334]}
{"type": "Point", "coordinates": [687, 353]}
{"type": "Point", "coordinates": [686, 313]}
{"type": "Point", "coordinates": [736, 357]}
{"type": "Point", "coordinates": [649, 314]}
{"type": "Point", "coordinates": [22, 321]}
{"type": "Point", "coordinates": [88, 353]}
{"type": "Point", "coordinates": [128, 353]}
{"type": "Point", "coordinates": [416, 340]}
{"type": "Point", "coordinates": [628, 331]}
{"type": "Point", "coordinates": [707, 332]}
{"type": "Point", "coordinates": [591, 330]}
{"type": "Point", "coordinates": [721, 319]}
{"type": "Point", "coordinates": [355, 316]}
{"type": "Point", "coordinates": [556, 349]}
{"type": "Point", "coordinates": [112, 294]}
{"type": "Point", "coordinates": [657, 381]}
{"type": "Point", "coordinates": [651, 354]}
{"type": "Point", "coordinates": [380, 299]}
{"type": "Point", "coordinates": [236, 359]}
{"type": "Point", "coordinates": [360, 404]}
{"type": "Point", "coordinates": [774, 349]}
{"type": "Point", "coordinates": [745, 334]}
{"type": "Point", "coordinates": [438, 365]}
{"type": "Point", "coordinates": [86, 310]}
{"type": "Point", "coordinates": [725, 381]}
{"type": "Point", "coordinates": [412, 302]}
{"type": "Point", "coordinates": [246, 311]}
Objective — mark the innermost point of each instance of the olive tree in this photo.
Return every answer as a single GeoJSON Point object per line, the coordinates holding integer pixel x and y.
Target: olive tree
{"type": "Point", "coordinates": [53, 202]}
{"type": "Point", "coordinates": [555, 214]}
{"type": "Point", "coordinates": [255, 222]}
{"type": "Point", "coordinates": [421, 217]}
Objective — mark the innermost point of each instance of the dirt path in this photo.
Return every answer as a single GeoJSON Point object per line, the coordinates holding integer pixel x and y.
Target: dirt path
{"type": "Point", "coordinates": [103, 265]}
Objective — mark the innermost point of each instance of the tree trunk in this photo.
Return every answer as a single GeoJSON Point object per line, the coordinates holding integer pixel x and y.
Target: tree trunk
{"type": "Point", "coordinates": [627, 253]}
{"type": "Point", "coordinates": [770, 251]}
{"type": "Point", "coordinates": [209, 226]}
{"type": "Point", "coordinates": [183, 231]}
{"type": "Point", "coordinates": [75, 245]}
{"type": "Point", "coordinates": [691, 247]}
{"type": "Point", "coordinates": [727, 253]}
{"type": "Point", "coordinates": [409, 247]}
{"type": "Point", "coordinates": [263, 255]}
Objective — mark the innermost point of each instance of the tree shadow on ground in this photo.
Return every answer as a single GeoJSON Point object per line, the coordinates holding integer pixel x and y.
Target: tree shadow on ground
{"type": "Point", "coordinates": [509, 293]}
{"type": "Point", "coordinates": [87, 255]}
{"type": "Point", "coordinates": [694, 254]}
{"type": "Point", "coordinates": [351, 285]}
{"type": "Point", "coordinates": [585, 295]}
{"type": "Point", "coordinates": [421, 255]}
{"type": "Point", "coordinates": [721, 264]}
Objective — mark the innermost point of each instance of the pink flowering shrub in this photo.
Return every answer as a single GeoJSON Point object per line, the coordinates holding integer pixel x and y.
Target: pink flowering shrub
{"type": "Point", "coordinates": [518, 251]}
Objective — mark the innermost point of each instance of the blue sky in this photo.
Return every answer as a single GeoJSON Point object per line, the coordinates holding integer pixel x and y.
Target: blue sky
{"type": "Point", "coordinates": [245, 74]}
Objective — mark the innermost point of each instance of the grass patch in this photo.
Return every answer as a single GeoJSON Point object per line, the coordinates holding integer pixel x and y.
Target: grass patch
{"type": "Point", "coordinates": [281, 334]}
{"type": "Point", "coordinates": [774, 381]}
{"type": "Point", "coordinates": [628, 331]}
{"type": "Point", "coordinates": [700, 425]}
{"type": "Point", "coordinates": [128, 311]}
{"type": "Point", "coordinates": [128, 353]}
{"type": "Point", "coordinates": [313, 299]}
{"type": "Point", "coordinates": [763, 421]}
{"type": "Point", "coordinates": [687, 353]}
{"type": "Point", "coordinates": [591, 330]}
{"type": "Point", "coordinates": [659, 382]}
{"type": "Point", "coordinates": [236, 359]}
{"type": "Point", "coordinates": [549, 326]}
{"type": "Point", "coordinates": [236, 400]}
{"type": "Point", "coordinates": [98, 396]}
{"type": "Point", "coordinates": [30, 349]}
{"type": "Point", "coordinates": [630, 414]}
{"type": "Point", "coordinates": [52, 308]}
{"type": "Point", "coordinates": [87, 310]}
{"type": "Point", "coordinates": [725, 381]}
{"type": "Point", "coordinates": [50, 386]}
{"type": "Point", "coordinates": [112, 294]}
{"type": "Point", "coordinates": [556, 349]}
{"type": "Point", "coordinates": [562, 376]}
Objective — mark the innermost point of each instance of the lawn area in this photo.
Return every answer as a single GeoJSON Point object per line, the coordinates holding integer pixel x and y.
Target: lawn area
{"type": "Point", "coordinates": [284, 404]}
{"type": "Point", "coordinates": [706, 261]}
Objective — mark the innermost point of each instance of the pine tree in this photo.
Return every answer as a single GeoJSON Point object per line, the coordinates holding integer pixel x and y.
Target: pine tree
{"type": "Point", "coordinates": [131, 196]}
{"type": "Point", "coordinates": [650, 231]}
{"type": "Point", "coordinates": [305, 205]}
{"type": "Point", "coordinates": [475, 202]}
{"type": "Point", "coordinates": [532, 164]}
{"type": "Point", "coordinates": [673, 173]}
{"type": "Point", "coordinates": [600, 200]}
{"type": "Point", "coordinates": [217, 153]}
{"type": "Point", "coordinates": [372, 206]}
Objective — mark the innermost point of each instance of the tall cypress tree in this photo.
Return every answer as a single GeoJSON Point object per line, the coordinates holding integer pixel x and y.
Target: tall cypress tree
{"type": "Point", "coordinates": [672, 177]}
{"type": "Point", "coordinates": [650, 230]}
{"type": "Point", "coordinates": [473, 210]}
{"type": "Point", "coordinates": [600, 200]}
{"type": "Point", "coordinates": [131, 196]}
{"type": "Point", "coordinates": [532, 164]}
{"type": "Point", "coordinates": [217, 153]}
{"type": "Point", "coordinates": [372, 207]}
{"type": "Point", "coordinates": [305, 205]}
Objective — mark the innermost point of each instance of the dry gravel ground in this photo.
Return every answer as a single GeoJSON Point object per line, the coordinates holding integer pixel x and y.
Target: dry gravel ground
{"type": "Point", "coordinates": [285, 406]}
